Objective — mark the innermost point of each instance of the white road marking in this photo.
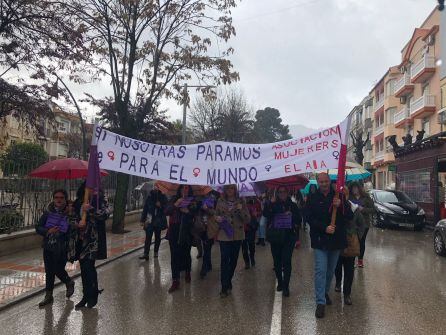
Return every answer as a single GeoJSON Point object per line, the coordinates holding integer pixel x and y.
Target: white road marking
{"type": "Point", "coordinates": [276, 320]}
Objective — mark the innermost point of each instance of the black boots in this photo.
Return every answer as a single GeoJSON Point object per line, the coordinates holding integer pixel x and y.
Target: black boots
{"type": "Point", "coordinates": [261, 242]}
{"type": "Point", "coordinates": [70, 288]}
{"type": "Point", "coordinates": [90, 302]}
{"type": "Point", "coordinates": [320, 311]}
{"type": "Point", "coordinates": [81, 304]}
{"type": "Point", "coordinates": [47, 300]}
{"type": "Point", "coordinates": [94, 299]}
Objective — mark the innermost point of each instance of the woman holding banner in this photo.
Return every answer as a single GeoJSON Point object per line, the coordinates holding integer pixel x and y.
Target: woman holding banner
{"type": "Point", "coordinates": [53, 226]}
{"type": "Point", "coordinates": [284, 219]}
{"type": "Point", "coordinates": [91, 243]}
{"type": "Point", "coordinates": [232, 216]}
{"type": "Point", "coordinates": [181, 211]}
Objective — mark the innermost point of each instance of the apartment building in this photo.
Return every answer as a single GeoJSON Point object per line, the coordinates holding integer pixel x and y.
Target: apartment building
{"type": "Point", "coordinates": [57, 136]}
{"type": "Point", "coordinates": [421, 163]}
{"type": "Point", "coordinates": [362, 125]}
{"type": "Point", "coordinates": [385, 107]}
{"type": "Point", "coordinates": [60, 135]}
{"type": "Point", "coordinates": [13, 130]}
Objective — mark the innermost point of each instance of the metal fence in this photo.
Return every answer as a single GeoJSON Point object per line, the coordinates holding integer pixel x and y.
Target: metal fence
{"type": "Point", "coordinates": [23, 199]}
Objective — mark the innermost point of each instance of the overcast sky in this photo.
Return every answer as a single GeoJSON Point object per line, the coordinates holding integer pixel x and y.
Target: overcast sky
{"type": "Point", "coordinates": [315, 59]}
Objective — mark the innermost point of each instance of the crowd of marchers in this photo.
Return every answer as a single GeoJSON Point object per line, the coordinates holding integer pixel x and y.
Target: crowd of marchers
{"type": "Point", "coordinates": [226, 219]}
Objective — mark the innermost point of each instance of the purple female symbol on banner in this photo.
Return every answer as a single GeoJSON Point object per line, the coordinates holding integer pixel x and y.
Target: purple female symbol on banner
{"type": "Point", "coordinates": [196, 172]}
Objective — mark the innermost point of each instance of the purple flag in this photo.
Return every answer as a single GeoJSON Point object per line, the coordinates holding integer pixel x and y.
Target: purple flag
{"type": "Point", "coordinates": [94, 173]}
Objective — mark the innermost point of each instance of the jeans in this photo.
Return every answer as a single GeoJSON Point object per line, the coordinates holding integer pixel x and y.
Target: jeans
{"type": "Point", "coordinates": [362, 244]}
{"type": "Point", "coordinates": [282, 254]}
{"type": "Point", "coordinates": [89, 279]}
{"type": "Point", "coordinates": [348, 263]}
{"type": "Point", "coordinates": [325, 262]}
{"type": "Point", "coordinates": [229, 251]}
{"type": "Point", "coordinates": [54, 266]}
{"type": "Point", "coordinates": [149, 233]}
{"type": "Point", "coordinates": [262, 227]}
{"type": "Point", "coordinates": [207, 253]}
{"type": "Point", "coordinates": [180, 259]}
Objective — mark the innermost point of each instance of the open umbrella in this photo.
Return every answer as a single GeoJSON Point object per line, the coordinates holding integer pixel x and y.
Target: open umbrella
{"type": "Point", "coordinates": [306, 189]}
{"type": "Point", "coordinates": [171, 189]}
{"type": "Point", "coordinates": [353, 171]}
{"type": "Point", "coordinates": [65, 168]}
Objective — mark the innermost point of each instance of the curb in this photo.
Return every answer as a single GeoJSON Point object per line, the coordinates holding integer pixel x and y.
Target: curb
{"type": "Point", "coordinates": [36, 292]}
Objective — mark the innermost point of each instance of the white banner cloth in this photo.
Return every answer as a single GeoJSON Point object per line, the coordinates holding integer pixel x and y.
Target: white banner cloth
{"type": "Point", "coordinates": [221, 163]}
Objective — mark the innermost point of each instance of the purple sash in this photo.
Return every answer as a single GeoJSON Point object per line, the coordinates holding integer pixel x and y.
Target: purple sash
{"type": "Point", "coordinates": [209, 202]}
{"type": "Point", "coordinates": [57, 220]}
{"type": "Point", "coordinates": [282, 221]}
{"type": "Point", "coordinates": [227, 228]}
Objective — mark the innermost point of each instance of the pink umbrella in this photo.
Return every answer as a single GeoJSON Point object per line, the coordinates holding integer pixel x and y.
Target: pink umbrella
{"type": "Point", "coordinates": [65, 168]}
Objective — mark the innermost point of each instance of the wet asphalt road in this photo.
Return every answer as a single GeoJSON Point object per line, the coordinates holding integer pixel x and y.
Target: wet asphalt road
{"type": "Point", "coordinates": [402, 290]}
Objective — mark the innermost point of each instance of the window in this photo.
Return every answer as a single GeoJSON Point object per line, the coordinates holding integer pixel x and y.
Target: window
{"type": "Point", "coordinates": [425, 125]}
{"type": "Point", "coordinates": [416, 184]}
{"type": "Point", "coordinates": [426, 89]}
{"type": "Point", "coordinates": [390, 113]}
{"type": "Point", "coordinates": [443, 96]}
{"type": "Point", "coordinates": [63, 126]}
{"type": "Point", "coordinates": [390, 88]}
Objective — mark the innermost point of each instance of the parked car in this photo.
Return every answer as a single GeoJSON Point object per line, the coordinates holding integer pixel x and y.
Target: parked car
{"type": "Point", "coordinates": [395, 208]}
{"type": "Point", "coordinates": [440, 238]}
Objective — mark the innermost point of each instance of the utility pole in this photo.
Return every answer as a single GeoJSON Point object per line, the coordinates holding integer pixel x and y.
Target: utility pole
{"type": "Point", "coordinates": [185, 96]}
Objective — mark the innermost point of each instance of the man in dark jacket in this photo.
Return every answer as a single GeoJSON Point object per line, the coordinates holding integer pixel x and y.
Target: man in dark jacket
{"type": "Point", "coordinates": [154, 208]}
{"type": "Point", "coordinates": [327, 241]}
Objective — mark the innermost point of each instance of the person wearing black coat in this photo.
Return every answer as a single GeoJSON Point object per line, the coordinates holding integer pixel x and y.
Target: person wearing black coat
{"type": "Point", "coordinates": [91, 244]}
{"type": "Point", "coordinates": [283, 218]}
{"type": "Point", "coordinates": [153, 220]}
{"type": "Point", "coordinates": [327, 241]}
{"type": "Point", "coordinates": [55, 242]}
{"type": "Point", "coordinates": [100, 221]}
{"type": "Point", "coordinates": [181, 210]}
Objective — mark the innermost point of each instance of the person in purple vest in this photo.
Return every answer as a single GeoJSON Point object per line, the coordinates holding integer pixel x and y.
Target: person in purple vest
{"type": "Point", "coordinates": [282, 232]}
{"type": "Point", "coordinates": [53, 226]}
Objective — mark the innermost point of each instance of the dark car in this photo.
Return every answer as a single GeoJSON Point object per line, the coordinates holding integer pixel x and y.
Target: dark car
{"type": "Point", "coordinates": [395, 208]}
{"type": "Point", "coordinates": [440, 238]}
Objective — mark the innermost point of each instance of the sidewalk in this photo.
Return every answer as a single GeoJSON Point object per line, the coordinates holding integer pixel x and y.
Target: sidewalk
{"type": "Point", "coordinates": [22, 274]}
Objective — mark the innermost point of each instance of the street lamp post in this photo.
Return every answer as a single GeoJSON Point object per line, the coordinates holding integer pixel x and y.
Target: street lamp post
{"type": "Point", "coordinates": [185, 95]}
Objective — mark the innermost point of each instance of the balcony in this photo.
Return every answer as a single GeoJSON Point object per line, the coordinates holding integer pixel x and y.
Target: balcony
{"type": "Point", "coordinates": [422, 107]}
{"type": "Point", "coordinates": [402, 118]}
{"type": "Point", "coordinates": [368, 123]}
{"type": "Point", "coordinates": [379, 104]}
{"type": "Point", "coordinates": [379, 130]}
{"type": "Point", "coordinates": [403, 86]}
{"type": "Point", "coordinates": [379, 156]}
{"type": "Point", "coordinates": [422, 70]}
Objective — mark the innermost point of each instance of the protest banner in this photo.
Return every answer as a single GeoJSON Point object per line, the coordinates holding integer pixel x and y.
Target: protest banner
{"type": "Point", "coordinates": [220, 163]}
